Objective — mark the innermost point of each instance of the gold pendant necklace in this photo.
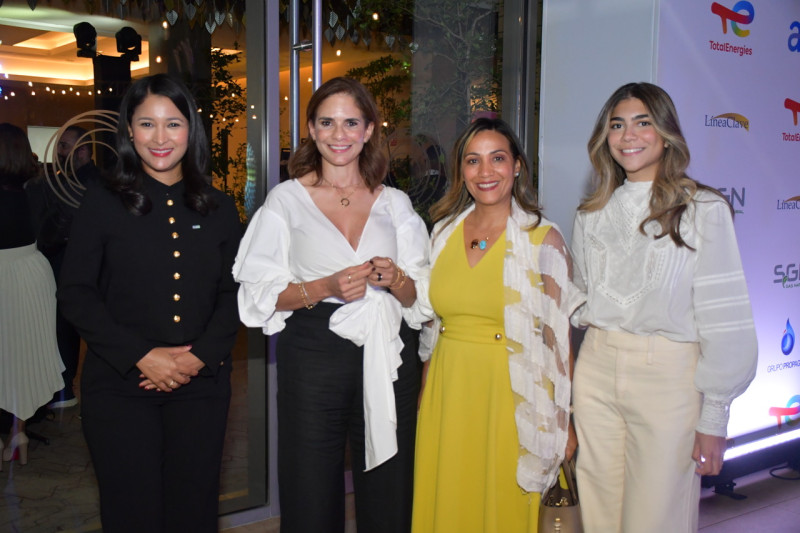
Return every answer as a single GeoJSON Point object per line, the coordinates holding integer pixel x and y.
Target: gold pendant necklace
{"type": "Point", "coordinates": [345, 198]}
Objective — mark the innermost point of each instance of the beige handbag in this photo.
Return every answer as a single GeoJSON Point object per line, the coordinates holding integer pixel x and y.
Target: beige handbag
{"type": "Point", "coordinates": [560, 510]}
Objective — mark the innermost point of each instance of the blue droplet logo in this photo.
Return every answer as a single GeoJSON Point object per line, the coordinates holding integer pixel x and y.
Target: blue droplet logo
{"type": "Point", "coordinates": [787, 343]}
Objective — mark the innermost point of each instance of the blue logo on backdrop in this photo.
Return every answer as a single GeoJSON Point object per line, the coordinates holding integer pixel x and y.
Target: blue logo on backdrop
{"type": "Point", "coordinates": [794, 37]}
{"type": "Point", "coordinates": [787, 342]}
{"type": "Point", "coordinates": [735, 197]}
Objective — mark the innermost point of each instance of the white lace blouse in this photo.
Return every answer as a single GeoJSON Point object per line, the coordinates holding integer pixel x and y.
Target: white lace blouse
{"type": "Point", "coordinates": [290, 240]}
{"type": "Point", "coordinates": [647, 286]}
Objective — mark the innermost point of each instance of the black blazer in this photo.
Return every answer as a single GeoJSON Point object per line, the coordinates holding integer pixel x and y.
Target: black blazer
{"type": "Point", "coordinates": [131, 283]}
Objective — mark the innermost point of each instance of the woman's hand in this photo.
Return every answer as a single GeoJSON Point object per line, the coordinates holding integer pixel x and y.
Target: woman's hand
{"type": "Point", "coordinates": [384, 273]}
{"type": "Point", "coordinates": [709, 451]}
{"type": "Point", "coordinates": [388, 275]}
{"type": "Point", "coordinates": [161, 371]}
{"type": "Point", "coordinates": [349, 284]}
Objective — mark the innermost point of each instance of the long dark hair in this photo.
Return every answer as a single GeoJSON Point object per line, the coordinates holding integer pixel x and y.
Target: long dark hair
{"type": "Point", "coordinates": [372, 161]}
{"type": "Point", "coordinates": [457, 198]}
{"type": "Point", "coordinates": [127, 178]}
{"type": "Point", "coordinates": [673, 190]}
{"type": "Point", "coordinates": [17, 164]}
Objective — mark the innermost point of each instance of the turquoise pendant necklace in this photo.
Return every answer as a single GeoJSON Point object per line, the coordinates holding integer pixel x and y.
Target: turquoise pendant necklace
{"type": "Point", "coordinates": [481, 244]}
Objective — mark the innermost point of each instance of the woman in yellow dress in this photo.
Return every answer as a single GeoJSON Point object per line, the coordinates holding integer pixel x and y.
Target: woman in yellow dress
{"type": "Point", "coordinates": [494, 414]}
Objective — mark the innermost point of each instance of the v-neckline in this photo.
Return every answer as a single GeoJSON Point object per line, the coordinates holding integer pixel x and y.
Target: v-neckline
{"type": "Point", "coordinates": [334, 226]}
{"type": "Point", "coordinates": [463, 248]}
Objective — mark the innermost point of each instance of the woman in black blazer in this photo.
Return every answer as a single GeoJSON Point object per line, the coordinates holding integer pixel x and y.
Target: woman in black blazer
{"type": "Point", "coordinates": [147, 282]}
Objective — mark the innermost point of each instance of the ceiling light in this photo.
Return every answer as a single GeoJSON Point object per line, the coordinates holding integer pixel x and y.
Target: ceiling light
{"type": "Point", "coordinates": [129, 43]}
{"type": "Point", "coordinates": [86, 39]}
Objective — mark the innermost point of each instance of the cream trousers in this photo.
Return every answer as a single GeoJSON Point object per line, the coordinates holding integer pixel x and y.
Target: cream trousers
{"type": "Point", "coordinates": [636, 408]}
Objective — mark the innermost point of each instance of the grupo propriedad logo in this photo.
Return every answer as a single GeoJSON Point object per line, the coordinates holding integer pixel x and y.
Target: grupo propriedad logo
{"type": "Point", "coordinates": [787, 341]}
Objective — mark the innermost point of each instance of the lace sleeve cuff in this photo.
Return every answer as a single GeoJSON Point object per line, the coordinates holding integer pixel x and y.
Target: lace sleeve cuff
{"type": "Point", "coordinates": [714, 417]}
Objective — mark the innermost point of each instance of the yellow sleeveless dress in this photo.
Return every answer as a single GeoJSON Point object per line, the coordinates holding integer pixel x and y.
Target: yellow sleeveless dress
{"type": "Point", "coordinates": [467, 446]}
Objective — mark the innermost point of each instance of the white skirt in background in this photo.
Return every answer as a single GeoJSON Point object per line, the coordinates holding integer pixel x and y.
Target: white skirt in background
{"type": "Point", "coordinates": [30, 365]}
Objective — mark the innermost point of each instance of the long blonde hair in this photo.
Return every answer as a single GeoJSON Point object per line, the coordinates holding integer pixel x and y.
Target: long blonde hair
{"type": "Point", "coordinates": [673, 190]}
{"type": "Point", "coordinates": [457, 198]}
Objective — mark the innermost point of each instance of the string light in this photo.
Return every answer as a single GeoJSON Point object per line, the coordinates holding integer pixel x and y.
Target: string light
{"type": "Point", "coordinates": [375, 16]}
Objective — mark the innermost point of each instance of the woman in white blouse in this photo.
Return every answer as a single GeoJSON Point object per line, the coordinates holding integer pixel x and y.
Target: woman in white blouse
{"type": "Point", "coordinates": [671, 340]}
{"type": "Point", "coordinates": [331, 262]}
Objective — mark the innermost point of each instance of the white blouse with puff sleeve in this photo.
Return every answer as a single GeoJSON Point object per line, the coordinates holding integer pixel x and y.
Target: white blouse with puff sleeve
{"type": "Point", "coordinates": [290, 240]}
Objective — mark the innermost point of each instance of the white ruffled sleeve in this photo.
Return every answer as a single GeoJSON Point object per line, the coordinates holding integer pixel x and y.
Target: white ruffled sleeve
{"type": "Point", "coordinates": [413, 254]}
{"type": "Point", "coordinates": [728, 346]}
{"type": "Point", "coordinates": [262, 270]}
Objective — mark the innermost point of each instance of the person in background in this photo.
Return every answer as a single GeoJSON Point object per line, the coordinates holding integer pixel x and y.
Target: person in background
{"type": "Point", "coordinates": [52, 223]}
{"type": "Point", "coordinates": [147, 282]}
{"type": "Point", "coordinates": [670, 340]}
{"type": "Point", "coordinates": [494, 415]}
{"type": "Point", "coordinates": [332, 261]}
{"type": "Point", "coordinates": [30, 366]}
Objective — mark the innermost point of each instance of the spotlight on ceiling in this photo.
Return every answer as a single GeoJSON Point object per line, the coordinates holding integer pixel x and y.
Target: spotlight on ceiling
{"type": "Point", "coordinates": [86, 39]}
{"type": "Point", "coordinates": [129, 43]}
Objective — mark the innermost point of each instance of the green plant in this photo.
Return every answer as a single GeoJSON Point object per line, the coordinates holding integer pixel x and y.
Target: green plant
{"type": "Point", "coordinates": [388, 79]}
{"type": "Point", "coordinates": [228, 104]}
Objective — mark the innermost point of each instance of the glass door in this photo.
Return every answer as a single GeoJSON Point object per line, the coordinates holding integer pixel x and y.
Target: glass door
{"type": "Point", "coordinates": [432, 66]}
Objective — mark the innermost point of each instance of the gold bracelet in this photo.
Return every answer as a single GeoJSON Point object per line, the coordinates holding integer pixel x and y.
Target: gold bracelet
{"type": "Point", "coordinates": [304, 296]}
{"type": "Point", "coordinates": [401, 277]}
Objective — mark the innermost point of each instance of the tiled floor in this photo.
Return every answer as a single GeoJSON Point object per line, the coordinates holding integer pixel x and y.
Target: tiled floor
{"type": "Point", "coordinates": [772, 505]}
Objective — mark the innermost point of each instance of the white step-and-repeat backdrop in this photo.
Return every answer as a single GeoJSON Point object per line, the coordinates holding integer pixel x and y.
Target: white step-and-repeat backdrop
{"type": "Point", "coordinates": [733, 70]}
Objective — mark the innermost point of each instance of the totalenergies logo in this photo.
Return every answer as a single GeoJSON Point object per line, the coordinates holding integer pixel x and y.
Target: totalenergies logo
{"type": "Point", "coordinates": [784, 414]}
{"type": "Point", "coordinates": [741, 14]}
{"type": "Point", "coordinates": [793, 106]}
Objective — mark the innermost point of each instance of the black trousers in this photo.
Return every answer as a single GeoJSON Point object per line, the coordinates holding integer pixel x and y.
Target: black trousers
{"type": "Point", "coordinates": [320, 404]}
{"type": "Point", "coordinates": [157, 456]}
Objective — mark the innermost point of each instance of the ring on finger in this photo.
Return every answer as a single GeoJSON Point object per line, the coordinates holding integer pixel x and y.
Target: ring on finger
{"type": "Point", "coordinates": [172, 383]}
{"type": "Point", "coordinates": [380, 276]}
{"type": "Point", "coordinates": [349, 278]}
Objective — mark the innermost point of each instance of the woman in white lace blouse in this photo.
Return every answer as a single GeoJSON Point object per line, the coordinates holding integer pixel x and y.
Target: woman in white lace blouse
{"type": "Point", "coordinates": [671, 340]}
